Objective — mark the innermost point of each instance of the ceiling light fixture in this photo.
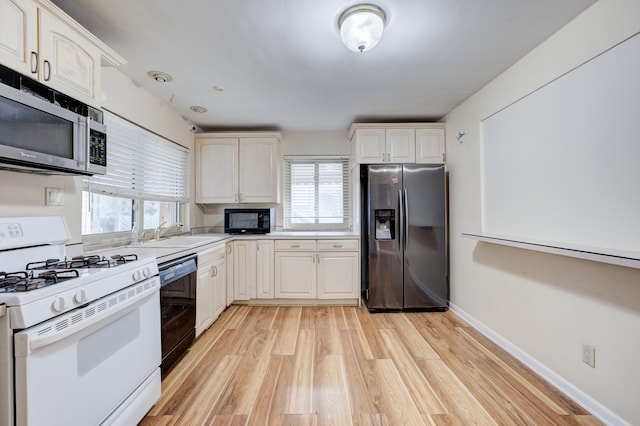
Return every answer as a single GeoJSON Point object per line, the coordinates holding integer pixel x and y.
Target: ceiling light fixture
{"type": "Point", "coordinates": [361, 26]}
{"type": "Point", "coordinates": [159, 76]}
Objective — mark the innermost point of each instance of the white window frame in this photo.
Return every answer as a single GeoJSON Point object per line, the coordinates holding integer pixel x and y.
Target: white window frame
{"type": "Point", "coordinates": [316, 225]}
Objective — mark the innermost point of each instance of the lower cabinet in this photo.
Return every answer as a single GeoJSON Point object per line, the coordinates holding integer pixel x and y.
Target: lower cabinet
{"type": "Point", "coordinates": [316, 269]}
{"type": "Point", "coordinates": [253, 269]}
{"type": "Point", "coordinates": [211, 289]}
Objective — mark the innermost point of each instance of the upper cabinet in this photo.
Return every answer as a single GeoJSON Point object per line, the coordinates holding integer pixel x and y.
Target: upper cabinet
{"type": "Point", "coordinates": [233, 168]}
{"type": "Point", "coordinates": [40, 41]}
{"type": "Point", "coordinates": [398, 143]}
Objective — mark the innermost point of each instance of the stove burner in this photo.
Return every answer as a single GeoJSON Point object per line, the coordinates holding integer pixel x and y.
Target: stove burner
{"type": "Point", "coordinates": [11, 282]}
{"type": "Point", "coordinates": [82, 262]}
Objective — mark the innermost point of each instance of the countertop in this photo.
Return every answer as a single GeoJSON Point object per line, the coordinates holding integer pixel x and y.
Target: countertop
{"type": "Point", "coordinates": [211, 240]}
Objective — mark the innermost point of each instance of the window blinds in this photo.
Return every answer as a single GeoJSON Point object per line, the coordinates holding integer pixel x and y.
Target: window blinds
{"type": "Point", "coordinates": [316, 193]}
{"type": "Point", "coordinates": [141, 165]}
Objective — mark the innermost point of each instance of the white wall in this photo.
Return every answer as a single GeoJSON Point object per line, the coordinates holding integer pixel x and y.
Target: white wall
{"type": "Point", "coordinates": [23, 194]}
{"type": "Point", "coordinates": [543, 304]}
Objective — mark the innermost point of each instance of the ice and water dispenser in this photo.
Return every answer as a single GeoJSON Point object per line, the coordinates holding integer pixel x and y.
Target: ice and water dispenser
{"type": "Point", "coordinates": [385, 223]}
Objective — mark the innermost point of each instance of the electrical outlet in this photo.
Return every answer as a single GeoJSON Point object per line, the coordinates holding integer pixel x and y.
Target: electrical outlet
{"type": "Point", "coordinates": [54, 197]}
{"type": "Point", "coordinates": [589, 355]}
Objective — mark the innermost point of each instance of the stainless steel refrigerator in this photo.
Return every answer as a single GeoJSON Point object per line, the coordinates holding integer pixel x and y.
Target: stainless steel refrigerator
{"type": "Point", "coordinates": [404, 237]}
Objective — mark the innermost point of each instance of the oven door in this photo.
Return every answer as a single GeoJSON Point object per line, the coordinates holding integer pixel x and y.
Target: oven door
{"type": "Point", "coordinates": [80, 367]}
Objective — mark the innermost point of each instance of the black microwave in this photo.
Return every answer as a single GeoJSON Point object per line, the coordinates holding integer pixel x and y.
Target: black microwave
{"type": "Point", "coordinates": [41, 128]}
{"type": "Point", "coordinates": [249, 221]}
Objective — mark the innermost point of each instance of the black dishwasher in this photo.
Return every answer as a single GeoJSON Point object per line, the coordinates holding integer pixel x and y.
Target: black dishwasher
{"type": "Point", "coordinates": [178, 308]}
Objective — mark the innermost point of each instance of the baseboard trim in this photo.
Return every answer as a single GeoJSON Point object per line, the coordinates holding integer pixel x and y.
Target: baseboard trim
{"type": "Point", "coordinates": [594, 407]}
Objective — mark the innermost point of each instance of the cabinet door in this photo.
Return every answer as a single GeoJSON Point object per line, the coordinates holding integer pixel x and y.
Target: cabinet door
{"type": "Point", "coordinates": [370, 146]}
{"type": "Point", "coordinates": [204, 296]}
{"type": "Point", "coordinates": [264, 270]}
{"type": "Point", "coordinates": [219, 286]}
{"type": "Point", "coordinates": [68, 61]}
{"type": "Point", "coordinates": [401, 145]}
{"type": "Point", "coordinates": [430, 146]}
{"type": "Point", "coordinates": [338, 275]}
{"type": "Point", "coordinates": [229, 274]}
{"type": "Point", "coordinates": [216, 170]}
{"type": "Point", "coordinates": [244, 269]}
{"type": "Point", "coordinates": [295, 275]}
{"type": "Point", "coordinates": [19, 36]}
{"type": "Point", "coordinates": [258, 171]}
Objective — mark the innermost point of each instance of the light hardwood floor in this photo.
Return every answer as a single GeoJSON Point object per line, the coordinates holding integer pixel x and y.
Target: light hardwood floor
{"type": "Point", "coordinates": [344, 366]}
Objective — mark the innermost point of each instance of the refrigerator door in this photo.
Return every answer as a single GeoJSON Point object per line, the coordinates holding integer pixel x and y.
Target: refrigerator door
{"type": "Point", "coordinates": [424, 237]}
{"type": "Point", "coordinates": [384, 186]}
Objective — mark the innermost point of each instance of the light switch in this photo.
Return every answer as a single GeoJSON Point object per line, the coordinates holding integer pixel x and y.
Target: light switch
{"type": "Point", "coordinates": [54, 197]}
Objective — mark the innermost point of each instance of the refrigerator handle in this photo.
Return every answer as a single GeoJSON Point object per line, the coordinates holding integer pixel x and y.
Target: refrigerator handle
{"type": "Point", "coordinates": [405, 219]}
{"type": "Point", "coordinates": [400, 219]}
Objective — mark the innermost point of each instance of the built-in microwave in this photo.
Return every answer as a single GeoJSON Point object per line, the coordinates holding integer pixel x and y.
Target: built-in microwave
{"type": "Point", "coordinates": [41, 128]}
{"type": "Point", "coordinates": [249, 221]}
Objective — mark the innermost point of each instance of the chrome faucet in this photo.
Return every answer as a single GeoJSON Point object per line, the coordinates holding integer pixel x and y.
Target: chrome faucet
{"type": "Point", "coordinates": [160, 231]}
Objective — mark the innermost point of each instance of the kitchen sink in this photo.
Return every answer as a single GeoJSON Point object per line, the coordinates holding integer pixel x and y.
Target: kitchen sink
{"type": "Point", "coordinates": [184, 241]}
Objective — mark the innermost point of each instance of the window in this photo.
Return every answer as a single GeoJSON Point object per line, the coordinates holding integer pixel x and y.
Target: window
{"type": "Point", "coordinates": [146, 181]}
{"type": "Point", "coordinates": [316, 193]}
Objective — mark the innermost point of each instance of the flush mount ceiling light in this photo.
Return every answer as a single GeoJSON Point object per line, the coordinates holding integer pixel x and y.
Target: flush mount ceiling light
{"type": "Point", "coordinates": [361, 26]}
{"type": "Point", "coordinates": [159, 76]}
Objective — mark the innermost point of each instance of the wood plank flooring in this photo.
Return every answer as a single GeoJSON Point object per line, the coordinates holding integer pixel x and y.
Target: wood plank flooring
{"type": "Point", "coordinates": [267, 365]}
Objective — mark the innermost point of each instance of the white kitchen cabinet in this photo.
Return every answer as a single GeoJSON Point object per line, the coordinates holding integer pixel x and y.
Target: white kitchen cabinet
{"type": "Point", "coordinates": [216, 170]}
{"type": "Point", "coordinates": [219, 285]}
{"type": "Point", "coordinates": [385, 146]}
{"type": "Point", "coordinates": [370, 146]}
{"type": "Point", "coordinates": [244, 269]}
{"type": "Point", "coordinates": [430, 145]}
{"type": "Point", "coordinates": [40, 41]}
{"type": "Point", "coordinates": [338, 269]}
{"type": "Point", "coordinates": [19, 35]}
{"type": "Point", "coordinates": [264, 270]}
{"type": "Point", "coordinates": [400, 145]}
{"type": "Point", "coordinates": [237, 168]}
{"type": "Point", "coordinates": [229, 273]}
{"type": "Point", "coordinates": [397, 143]}
{"type": "Point", "coordinates": [253, 275]}
{"type": "Point", "coordinates": [322, 269]}
{"type": "Point", "coordinates": [210, 281]}
{"type": "Point", "coordinates": [295, 275]}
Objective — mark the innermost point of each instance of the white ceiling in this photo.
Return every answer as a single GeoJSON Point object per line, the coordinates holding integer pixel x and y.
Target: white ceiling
{"type": "Point", "coordinates": [283, 66]}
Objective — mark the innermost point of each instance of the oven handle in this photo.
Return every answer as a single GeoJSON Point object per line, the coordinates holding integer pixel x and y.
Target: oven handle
{"type": "Point", "coordinates": [61, 327]}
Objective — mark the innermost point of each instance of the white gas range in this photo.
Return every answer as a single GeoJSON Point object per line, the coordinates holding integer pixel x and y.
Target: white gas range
{"type": "Point", "coordinates": [79, 338]}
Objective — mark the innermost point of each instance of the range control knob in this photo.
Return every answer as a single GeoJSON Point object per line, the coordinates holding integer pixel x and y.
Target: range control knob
{"type": "Point", "coordinates": [146, 272]}
{"type": "Point", "coordinates": [80, 297]}
{"type": "Point", "coordinates": [58, 304]}
{"type": "Point", "coordinates": [136, 275]}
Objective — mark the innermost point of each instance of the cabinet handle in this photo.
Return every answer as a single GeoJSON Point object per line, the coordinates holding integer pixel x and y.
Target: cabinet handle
{"type": "Point", "coordinates": [34, 62]}
{"type": "Point", "coordinates": [318, 256]}
{"type": "Point", "coordinates": [444, 157]}
{"type": "Point", "coordinates": [295, 245]}
{"type": "Point", "coordinates": [228, 248]}
{"type": "Point", "coordinates": [47, 70]}
{"type": "Point", "coordinates": [337, 246]}
{"type": "Point", "coordinates": [215, 271]}
{"type": "Point", "coordinates": [313, 259]}
{"type": "Point", "coordinates": [388, 157]}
